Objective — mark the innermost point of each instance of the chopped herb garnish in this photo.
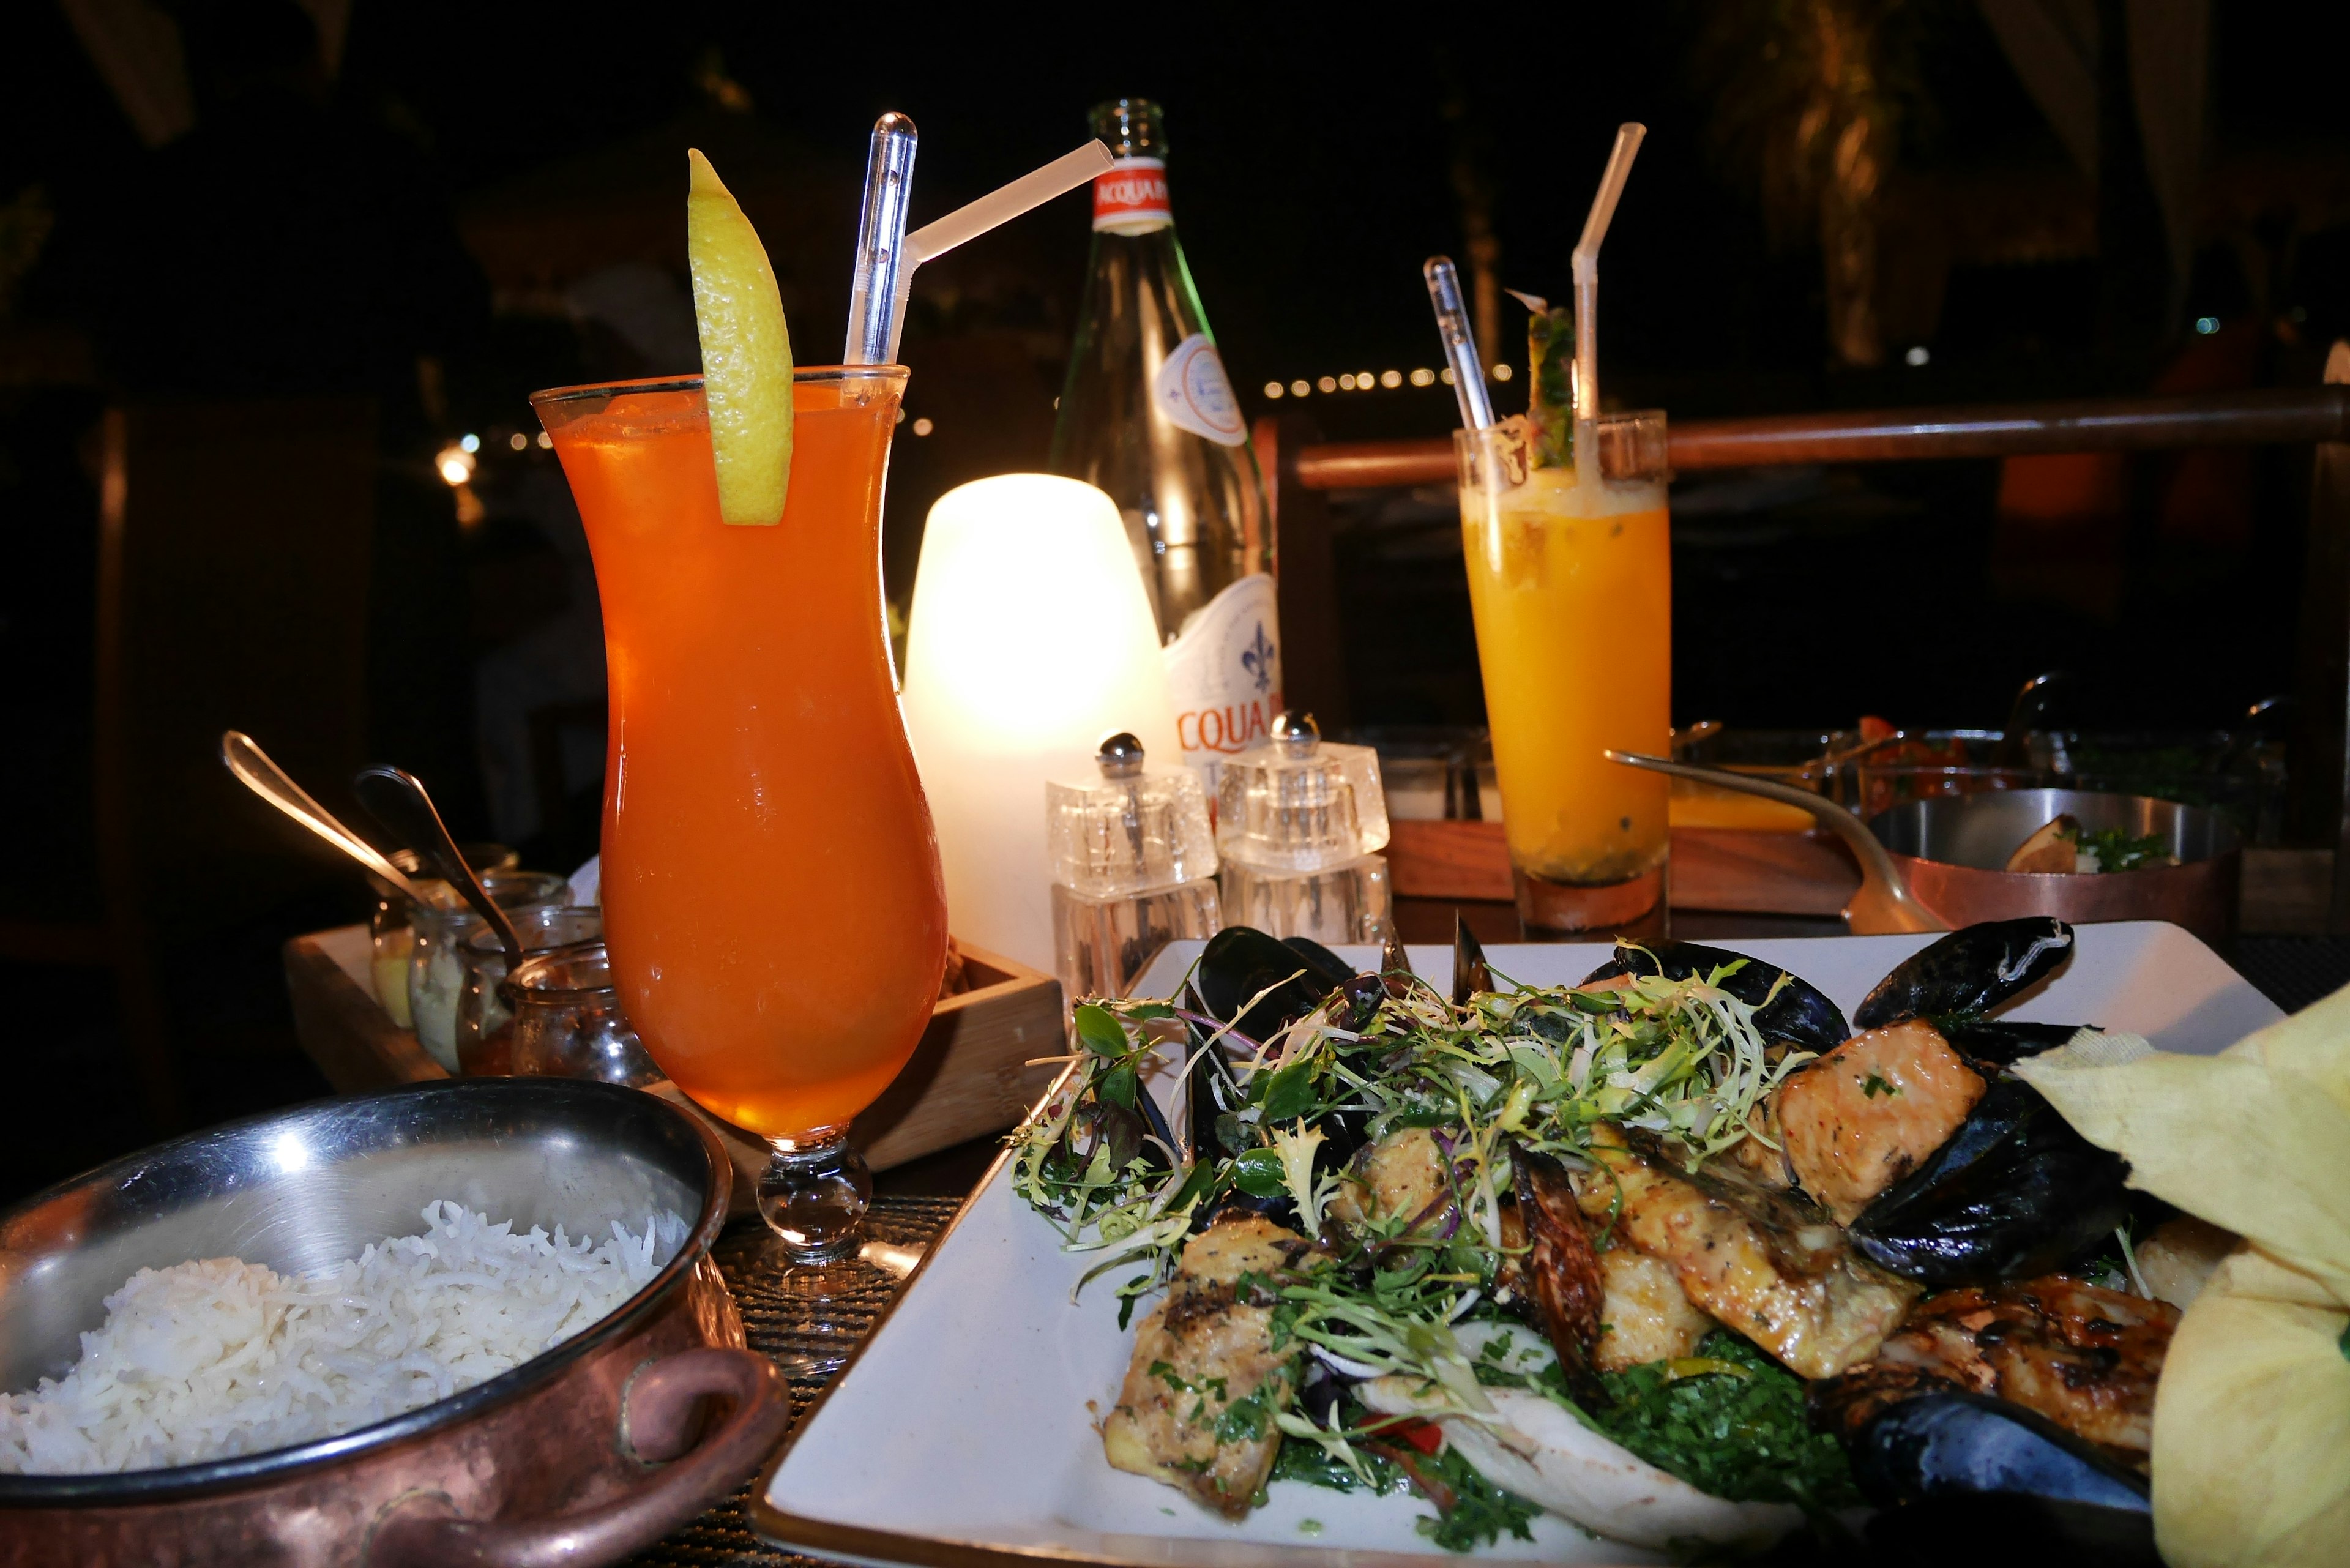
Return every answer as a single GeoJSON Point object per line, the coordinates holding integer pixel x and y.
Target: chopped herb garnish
{"type": "Point", "coordinates": [1735, 1429]}
{"type": "Point", "coordinates": [1876, 1086]}
{"type": "Point", "coordinates": [2114, 849]}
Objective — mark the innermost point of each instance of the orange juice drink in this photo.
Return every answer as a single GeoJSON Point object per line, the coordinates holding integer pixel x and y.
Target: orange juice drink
{"type": "Point", "coordinates": [1570, 583]}
{"type": "Point", "coordinates": [771, 887]}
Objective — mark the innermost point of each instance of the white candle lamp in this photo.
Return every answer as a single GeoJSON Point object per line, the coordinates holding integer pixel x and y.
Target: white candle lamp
{"type": "Point", "coordinates": [1030, 639]}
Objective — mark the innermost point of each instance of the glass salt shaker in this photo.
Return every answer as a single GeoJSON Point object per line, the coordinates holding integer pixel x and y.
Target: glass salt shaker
{"type": "Point", "coordinates": [1134, 868]}
{"type": "Point", "coordinates": [1299, 823]}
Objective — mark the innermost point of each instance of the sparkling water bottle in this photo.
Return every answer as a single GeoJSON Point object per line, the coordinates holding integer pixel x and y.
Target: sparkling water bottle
{"type": "Point", "coordinates": [1148, 415]}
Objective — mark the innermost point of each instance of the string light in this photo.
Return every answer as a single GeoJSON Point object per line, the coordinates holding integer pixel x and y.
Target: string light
{"type": "Point", "coordinates": [1368, 380]}
{"type": "Point", "coordinates": [546, 442]}
{"type": "Point", "coordinates": [923, 427]}
{"type": "Point", "coordinates": [519, 441]}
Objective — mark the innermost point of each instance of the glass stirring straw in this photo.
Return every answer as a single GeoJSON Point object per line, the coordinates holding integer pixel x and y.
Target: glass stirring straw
{"type": "Point", "coordinates": [877, 306]}
{"type": "Point", "coordinates": [1459, 345]}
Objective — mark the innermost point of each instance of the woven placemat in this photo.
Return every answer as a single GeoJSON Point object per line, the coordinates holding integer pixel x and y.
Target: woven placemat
{"type": "Point", "coordinates": [2294, 972]}
{"type": "Point", "coordinates": [779, 1320]}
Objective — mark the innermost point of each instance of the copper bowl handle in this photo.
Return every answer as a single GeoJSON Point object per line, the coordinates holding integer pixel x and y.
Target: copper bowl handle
{"type": "Point", "coordinates": [656, 1421]}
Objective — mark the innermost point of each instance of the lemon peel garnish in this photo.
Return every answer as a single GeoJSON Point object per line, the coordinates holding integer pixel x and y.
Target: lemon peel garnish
{"type": "Point", "coordinates": [746, 351]}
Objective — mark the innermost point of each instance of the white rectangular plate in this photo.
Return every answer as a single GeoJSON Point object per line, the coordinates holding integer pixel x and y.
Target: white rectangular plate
{"type": "Point", "coordinates": [961, 1435]}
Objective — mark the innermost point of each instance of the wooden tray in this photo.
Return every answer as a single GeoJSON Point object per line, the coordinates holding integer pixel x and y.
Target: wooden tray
{"type": "Point", "coordinates": [969, 1077]}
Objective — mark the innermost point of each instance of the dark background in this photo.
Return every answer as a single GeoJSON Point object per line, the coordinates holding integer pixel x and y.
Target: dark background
{"type": "Point", "coordinates": [405, 226]}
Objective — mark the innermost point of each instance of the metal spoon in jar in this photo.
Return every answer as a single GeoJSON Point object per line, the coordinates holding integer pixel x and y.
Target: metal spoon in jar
{"type": "Point", "coordinates": [1883, 903]}
{"type": "Point", "coordinates": [401, 804]}
{"type": "Point", "coordinates": [253, 769]}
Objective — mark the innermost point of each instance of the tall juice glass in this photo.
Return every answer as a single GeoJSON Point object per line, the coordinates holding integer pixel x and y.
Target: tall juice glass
{"type": "Point", "coordinates": [1570, 583]}
{"type": "Point", "coordinates": [771, 888]}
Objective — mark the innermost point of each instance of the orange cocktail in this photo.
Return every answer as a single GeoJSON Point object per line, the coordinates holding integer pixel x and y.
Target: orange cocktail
{"type": "Point", "coordinates": [1570, 585]}
{"type": "Point", "coordinates": [771, 887]}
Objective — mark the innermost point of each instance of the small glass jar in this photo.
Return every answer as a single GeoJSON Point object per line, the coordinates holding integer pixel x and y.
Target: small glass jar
{"type": "Point", "coordinates": [389, 935]}
{"type": "Point", "coordinates": [434, 972]}
{"type": "Point", "coordinates": [481, 1011]}
{"type": "Point", "coordinates": [567, 1022]}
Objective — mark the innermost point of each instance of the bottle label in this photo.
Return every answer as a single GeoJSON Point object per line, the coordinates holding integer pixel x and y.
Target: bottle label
{"type": "Point", "coordinates": [1192, 389]}
{"type": "Point", "coordinates": [1223, 669]}
{"type": "Point", "coordinates": [1131, 199]}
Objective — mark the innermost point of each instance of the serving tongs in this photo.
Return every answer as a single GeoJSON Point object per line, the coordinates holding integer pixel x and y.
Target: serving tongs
{"type": "Point", "coordinates": [1882, 906]}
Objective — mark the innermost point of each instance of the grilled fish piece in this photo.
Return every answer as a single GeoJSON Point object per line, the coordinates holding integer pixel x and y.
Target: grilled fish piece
{"type": "Point", "coordinates": [1765, 1263]}
{"type": "Point", "coordinates": [1197, 1407]}
{"type": "Point", "coordinates": [1644, 1313]}
{"type": "Point", "coordinates": [1403, 1175]}
{"type": "Point", "coordinates": [1867, 1113]}
{"type": "Point", "coordinates": [2085, 1358]}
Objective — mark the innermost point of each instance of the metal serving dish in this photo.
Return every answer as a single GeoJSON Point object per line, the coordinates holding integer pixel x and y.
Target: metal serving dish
{"type": "Point", "coordinates": [557, 1460]}
{"type": "Point", "coordinates": [1953, 852]}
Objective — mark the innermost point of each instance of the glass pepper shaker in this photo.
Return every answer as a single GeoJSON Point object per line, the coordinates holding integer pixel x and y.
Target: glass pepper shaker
{"type": "Point", "coordinates": [1299, 824]}
{"type": "Point", "coordinates": [1134, 868]}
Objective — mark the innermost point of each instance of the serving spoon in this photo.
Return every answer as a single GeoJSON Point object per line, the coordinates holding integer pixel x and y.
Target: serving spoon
{"type": "Point", "coordinates": [399, 802]}
{"type": "Point", "coordinates": [1883, 904]}
{"type": "Point", "coordinates": [255, 771]}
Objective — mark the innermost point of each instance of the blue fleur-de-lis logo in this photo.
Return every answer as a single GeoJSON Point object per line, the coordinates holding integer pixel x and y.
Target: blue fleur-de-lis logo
{"type": "Point", "coordinates": [1257, 660]}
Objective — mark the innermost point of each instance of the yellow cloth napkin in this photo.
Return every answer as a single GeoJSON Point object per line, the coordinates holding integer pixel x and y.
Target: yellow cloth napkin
{"type": "Point", "coordinates": [2252, 1420]}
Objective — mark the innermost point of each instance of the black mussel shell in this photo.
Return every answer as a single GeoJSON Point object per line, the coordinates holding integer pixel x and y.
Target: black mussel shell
{"type": "Point", "coordinates": [1324, 961]}
{"type": "Point", "coordinates": [2013, 1193]}
{"type": "Point", "coordinates": [2004, 1042]}
{"type": "Point", "coordinates": [1241, 961]}
{"type": "Point", "coordinates": [1395, 965]}
{"type": "Point", "coordinates": [1800, 1015]}
{"type": "Point", "coordinates": [1212, 1097]}
{"type": "Point", "coordinates": [1971, 971]}
{"type": "Point", "coordinates": [1472, 975]}
{"type": "Point", "coordinates": [1949, 1443]}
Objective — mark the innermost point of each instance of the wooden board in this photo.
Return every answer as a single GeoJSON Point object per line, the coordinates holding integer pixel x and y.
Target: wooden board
{"type": "Point", "coordinates": [1712, 868]}
{"type": "Point", "coordinates": [969, 1076]}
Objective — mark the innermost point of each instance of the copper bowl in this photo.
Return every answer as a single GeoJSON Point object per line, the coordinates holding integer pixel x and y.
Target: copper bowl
{"type": "Point", "coordinates": [1953, 852]}
{"type": "Point", "coordinates": [585, 1453]}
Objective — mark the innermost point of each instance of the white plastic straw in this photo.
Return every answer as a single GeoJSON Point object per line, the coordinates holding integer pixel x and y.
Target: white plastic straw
{"type": "Point", "coordinates": [1459, 345]}
{"type": "Point", "coordinates": [1587, 282]}
{"type": "Point", "coordinates": [1065, 173]}
{"type": "Point", "coordinates": [876, 303]}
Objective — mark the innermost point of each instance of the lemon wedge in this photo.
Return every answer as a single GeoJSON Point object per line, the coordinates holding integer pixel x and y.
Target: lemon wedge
{"type": "Point", "coordinates": [746, 351]}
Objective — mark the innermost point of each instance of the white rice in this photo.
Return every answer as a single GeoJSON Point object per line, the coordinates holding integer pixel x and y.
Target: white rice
{"type": "Point", "coordinates": [218, 1357]}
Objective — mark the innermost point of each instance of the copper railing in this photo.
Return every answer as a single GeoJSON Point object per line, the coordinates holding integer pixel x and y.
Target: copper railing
{"type": "Point", "coordinates": [2291, 416]}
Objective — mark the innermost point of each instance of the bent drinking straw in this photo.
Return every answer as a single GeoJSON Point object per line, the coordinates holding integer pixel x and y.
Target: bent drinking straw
{"type": "Point", "coordinates": [894, 256]}
{"type": "Point", "coordinates": [1065, 173]}
{"type": "Point", "coordinates": [1460, 346]}
{"type": "Point", "coordinates": [875, 307]}
{"type": "Point", "coordinates": [1587, 286]}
